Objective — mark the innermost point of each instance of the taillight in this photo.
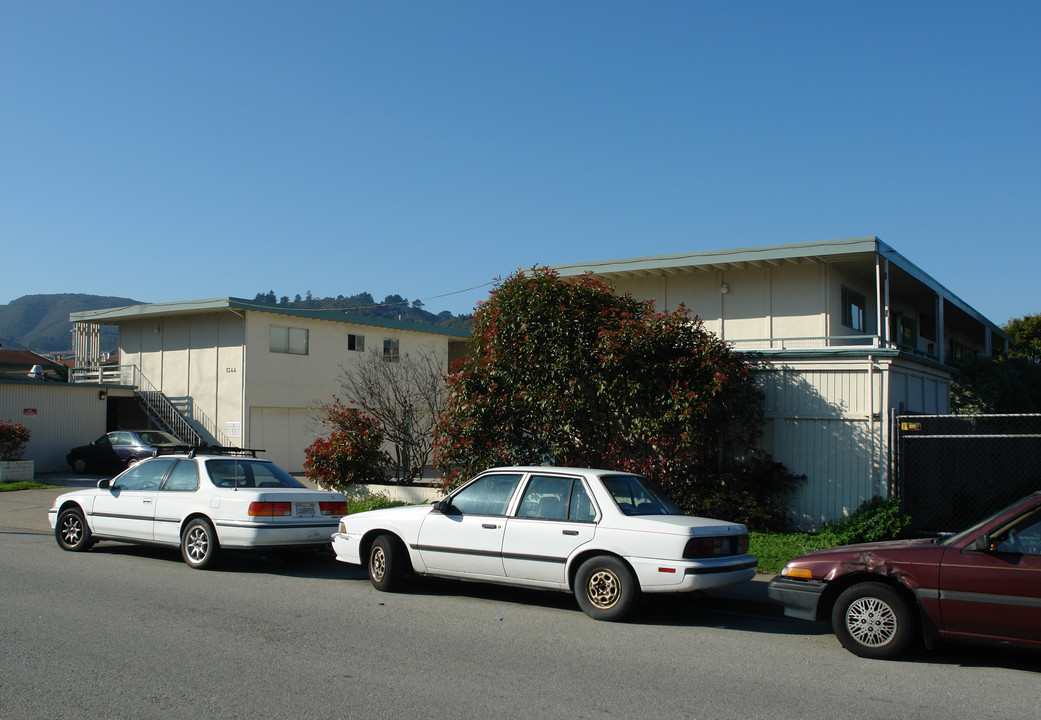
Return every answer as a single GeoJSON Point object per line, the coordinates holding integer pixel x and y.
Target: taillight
{"type": "Point", "coordinates": [333, 508]}
{"type": "Point", "coordinates": [717, 546]}
{"type": "Point", "coordinates": [270, 509]}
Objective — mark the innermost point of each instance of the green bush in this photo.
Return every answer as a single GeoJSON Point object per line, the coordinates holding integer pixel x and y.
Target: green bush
{"type": "Point", "coordinates": [876, 519]}
{"type": "Point", "coordinates": [360, 502]}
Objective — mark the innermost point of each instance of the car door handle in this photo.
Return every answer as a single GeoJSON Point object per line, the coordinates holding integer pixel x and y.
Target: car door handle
{"type": "Point", "coordinates": [571, 532]}
{"type": "Point", "coordinates": [147, 501]}
{"type": "Point", "coordinates": [490, 526]}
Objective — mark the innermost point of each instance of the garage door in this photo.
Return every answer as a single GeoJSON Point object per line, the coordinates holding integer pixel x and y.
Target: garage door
{"type": "Point", "coordinates": [283, 434]}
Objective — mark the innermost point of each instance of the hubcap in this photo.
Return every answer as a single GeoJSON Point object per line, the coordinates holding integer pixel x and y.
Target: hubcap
{"type": "Point", "coordinates": [378, 564]}
{"type": "Point", "coordinates": [71, 531]}
{"type": "Point", "coordinates": [197, 544]}
{"type": "Point", "coordinates": [871, 622]}
{"type": "Point", "coordinates": [603, 589]}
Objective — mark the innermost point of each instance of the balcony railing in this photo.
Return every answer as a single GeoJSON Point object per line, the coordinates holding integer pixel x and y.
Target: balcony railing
{"type": "Point", "coordinates": [807, 343]}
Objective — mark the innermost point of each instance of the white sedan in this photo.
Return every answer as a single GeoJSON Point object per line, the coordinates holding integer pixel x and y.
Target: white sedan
{"type": "Point", "coordinates": [201, 500]}
{"type": "Point", "coordinates": [604, 535]}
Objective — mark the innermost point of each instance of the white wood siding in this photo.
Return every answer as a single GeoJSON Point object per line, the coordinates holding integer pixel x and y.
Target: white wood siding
{"type": "Point", "coordinates": [819, 423]}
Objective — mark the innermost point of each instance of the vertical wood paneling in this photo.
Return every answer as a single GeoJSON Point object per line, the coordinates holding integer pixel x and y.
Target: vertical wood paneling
{"type": "Point", "coordinates": [65, 416]}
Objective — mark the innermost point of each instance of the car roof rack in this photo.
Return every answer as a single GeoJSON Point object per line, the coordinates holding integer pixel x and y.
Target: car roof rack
{"type": "Point", "coordinates": [196, 450]}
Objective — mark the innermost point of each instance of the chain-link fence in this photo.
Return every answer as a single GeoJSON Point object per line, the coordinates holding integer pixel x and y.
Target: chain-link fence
{"type": "Point", "coordinates": [952, 470]}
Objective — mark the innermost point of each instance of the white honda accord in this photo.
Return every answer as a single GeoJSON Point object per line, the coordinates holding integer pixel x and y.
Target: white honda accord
{"type": "Point", "coordinates": [202, 500]}
{"type": "Point", "coordinates": [604, 535]}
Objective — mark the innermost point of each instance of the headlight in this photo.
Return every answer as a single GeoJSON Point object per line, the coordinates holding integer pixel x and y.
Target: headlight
{"type": "Point", "coordinates": [797, 572]}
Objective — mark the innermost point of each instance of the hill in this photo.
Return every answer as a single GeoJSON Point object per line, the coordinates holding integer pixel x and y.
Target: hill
{"type": "Point", "coordinates": [393, 307]}
{"type": "Point", "coordinates": [41, 322]}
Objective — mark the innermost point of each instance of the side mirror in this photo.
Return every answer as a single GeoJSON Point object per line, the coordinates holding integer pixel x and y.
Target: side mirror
{"type": "Point", "coordinates": [983, 543]}
{"type": "Point", "coordinates": [104, 483]}
{"type": "Point", "coordinates": [445, 507]}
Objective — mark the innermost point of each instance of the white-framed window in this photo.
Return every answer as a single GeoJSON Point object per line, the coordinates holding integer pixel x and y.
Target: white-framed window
{"type": "Point", "coordinates": [391, 349]}
{"type": "Point", "coordinates": [356, 343]}
{"type": "Point", "coordinates": [291, 340]}
{"type": "Point", "coordinates": [853, 306]}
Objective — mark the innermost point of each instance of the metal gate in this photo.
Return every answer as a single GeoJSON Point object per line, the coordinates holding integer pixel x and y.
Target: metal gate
{"type": "Point", "coordinates": [952, 470]}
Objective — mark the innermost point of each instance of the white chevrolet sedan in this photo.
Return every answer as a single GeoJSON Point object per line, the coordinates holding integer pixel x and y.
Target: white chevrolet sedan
{"type": "Point", "coordinates": [604, 535]}
{"type": "Point", "coordinates": [201, 500]}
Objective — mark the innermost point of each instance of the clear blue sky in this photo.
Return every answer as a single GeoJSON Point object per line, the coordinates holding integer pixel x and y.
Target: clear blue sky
{"type": "Point", "coordinates": [180, 150]}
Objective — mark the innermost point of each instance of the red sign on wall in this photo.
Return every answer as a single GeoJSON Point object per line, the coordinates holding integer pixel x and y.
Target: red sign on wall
{"type": "Point", "coordinates": [29, 411]}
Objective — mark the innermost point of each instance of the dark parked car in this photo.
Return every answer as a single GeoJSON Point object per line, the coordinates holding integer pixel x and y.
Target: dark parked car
{"type": "Point", "coordinates": [982, 584]}
{"type": "Point", "coordinates": [118, 450]}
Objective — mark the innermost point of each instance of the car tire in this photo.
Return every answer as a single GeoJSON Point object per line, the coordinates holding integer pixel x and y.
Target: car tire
{"type": "Point", "coordinates": [71, 531]}
{"type": "Point", "coordinates": [388, 562]}
{"type": "Point", "coordinates": [199, 546]}
{"type": "Point", "coordinates": [79, 465]}
{"type": "Point", "coordinates": [605, 588]}
{"type": "Point", "coordinates": [132, 461]}
{"type": "Point", "coordinates": [872, 620]}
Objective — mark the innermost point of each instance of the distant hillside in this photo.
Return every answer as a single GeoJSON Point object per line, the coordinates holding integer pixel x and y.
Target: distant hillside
{"type": "Point", "coordinates": [41, 322]}
{"type": "Point", "coordinates": [393, 307]}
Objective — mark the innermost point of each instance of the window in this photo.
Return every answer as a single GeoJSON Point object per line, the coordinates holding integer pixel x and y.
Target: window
{"type": "Point", "coordinates": [289, 340]}
{"type": "Point", "coordinates": [928, 326]}
{"type": "Point", "coordinates": [489, 495]}
{"type": "Point", "coordinates": [390, 350]}
{"type": "Point", "coordinates": [144, 475]}
{"type": "Point", "coordinates": [1024, 538]}
{"type": "Point", "coordinates": [638, 496]}
{"type": "Point", "coordinates": [556, 498]}
{"type": "Point", "coordinates": [908, 332]}
{"type": "Point", "coordinates": [853, 305]}
{"type": "Point", "coordinates": [184, 477]}
{"type": "Point", "coordinates": [356, 343]}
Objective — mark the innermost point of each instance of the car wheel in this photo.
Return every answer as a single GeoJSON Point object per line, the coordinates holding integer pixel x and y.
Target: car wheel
{"type": "Point", "coordinates": [605, 588]}
{"type": "Point", "coordinates": [388, 562]}
{"type": "Point", "coordinates": [199, 546]}
{"type": "Point", "coordinates": [71, 531]}
{"type": "Point", "coordinates": [79, 465]}
{"type": "Point", "coordinates": [132, 461]}
{"type": "Point", "coordinates": [872, 620]}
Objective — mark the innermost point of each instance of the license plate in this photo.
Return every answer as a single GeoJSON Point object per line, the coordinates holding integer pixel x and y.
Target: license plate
{"type": "Point", "coordinates": [305, 509]}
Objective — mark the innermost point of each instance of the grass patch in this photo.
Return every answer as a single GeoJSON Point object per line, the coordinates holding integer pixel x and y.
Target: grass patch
{"type": "Point", "coordinates": [22, 485]}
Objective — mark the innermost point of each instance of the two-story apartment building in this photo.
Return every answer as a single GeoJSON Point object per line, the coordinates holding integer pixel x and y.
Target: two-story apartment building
{"type": "Point", "coordinates": [846, 333]}
{"type": "Point", "coordinates": [240, 372]}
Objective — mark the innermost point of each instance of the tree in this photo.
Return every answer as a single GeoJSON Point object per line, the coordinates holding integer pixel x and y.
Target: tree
{"type": "Point", "coordinates": [996, 385]}
{"type": "Point", "coordinates": [404, 395]}
{"type": "Point", "coordinates": [570, 372]}
{"type": "Point", "coordinates": [1026, 334]}
{"type": "Point", "coordinates": [351, 453]}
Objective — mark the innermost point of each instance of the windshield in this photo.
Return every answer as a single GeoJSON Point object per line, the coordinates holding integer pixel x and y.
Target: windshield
{"type": "Point", "coordinates": [974, 530]}
{"type": "Point", "coordinates": [232, 473]}
{"type": "Point", "coordinates": [635, 495]}
{"type": "Point", "coordinates": [158, 437]}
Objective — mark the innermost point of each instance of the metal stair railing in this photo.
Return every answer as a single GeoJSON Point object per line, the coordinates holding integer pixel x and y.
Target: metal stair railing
{"type": "Point", "coordinates": [163, 410]}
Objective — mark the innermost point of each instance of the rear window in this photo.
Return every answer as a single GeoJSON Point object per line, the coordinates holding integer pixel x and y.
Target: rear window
{"type": "Point", "coordinates": [230, 473]}
{"type": "Point", "coordinates": [635, 495]}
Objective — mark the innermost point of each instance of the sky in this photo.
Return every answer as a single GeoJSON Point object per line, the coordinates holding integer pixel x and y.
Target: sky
{"type": "Point", "coordinates": [167, 151]}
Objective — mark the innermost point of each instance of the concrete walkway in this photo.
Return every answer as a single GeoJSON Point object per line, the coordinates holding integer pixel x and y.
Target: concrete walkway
{"type": "Point", "coordinates": [26, 510]}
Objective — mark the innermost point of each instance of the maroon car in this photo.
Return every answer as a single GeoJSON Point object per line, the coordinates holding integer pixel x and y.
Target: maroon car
{"type": "Point", "coordinates": [982, 584]}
